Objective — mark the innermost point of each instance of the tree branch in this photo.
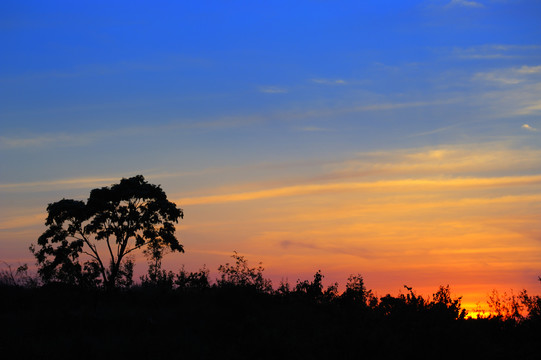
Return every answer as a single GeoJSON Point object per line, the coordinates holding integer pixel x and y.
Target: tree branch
{"type": "Point", "coordinates": [110, 250]}
{"type": "Point", "coordinates": [89, 254]}
{"type": "Point", "coordinates": [135, 248]}
{"type": "Point", "coordinates": [97, 255]}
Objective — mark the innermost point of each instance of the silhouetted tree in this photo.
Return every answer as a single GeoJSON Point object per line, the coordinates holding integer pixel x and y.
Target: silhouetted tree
{"type": "Point", "coordinates": [445, 306]}
{"type": "Point", "coordinates": [114, 222]}
{"type": "Point", "coordinates": [313, 289]}
{"type": "Point", "coordinates": [357, 293]}
{"type": "Point", "coordinates": [156, 276]}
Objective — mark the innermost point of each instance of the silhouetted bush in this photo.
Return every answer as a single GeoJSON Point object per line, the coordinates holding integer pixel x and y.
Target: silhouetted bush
{"type": "Point", "coordinates": [18, 278]}
{"type": "Point", "coordinates": [239, 274]}
{"type": "Point", "coordinates": [183, 315]}
{"type": "Point", "coordinates": [198, 280]}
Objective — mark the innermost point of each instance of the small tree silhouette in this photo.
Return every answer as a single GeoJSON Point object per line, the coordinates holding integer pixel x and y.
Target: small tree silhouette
{"type": "Point", "coordinates": [115, 220]}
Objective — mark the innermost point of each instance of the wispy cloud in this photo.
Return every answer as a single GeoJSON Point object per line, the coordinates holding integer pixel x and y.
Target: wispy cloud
{"type": "Point", "coordinates": [329, 81]}
{"type": "Point", "coordinates": [528, 127]}
{"type": "Point", "coordinates": [426, 184]}
{"type": "Point", "coordinates": [499, 77]}
{"type": "Point", "coordinates": [272, 90]}
{"type": "Point", "coordinates": [435, 131]}
{"type": "Point", "coordinates": [531, 107]}
{"type": "Point", "coordinates": [215, 124]}
{"type": "Point", "coordinates": [61, 139]}
{"type": "Point", "coordinates": [529, 69]}
{"type": "Point", "coordinates": [509, 91]}
{"type": "Point", "coordinates": [403, 105]}
{"type": "Point", "coordinates": [329, 248]}
{"type": "Point", "coordinates": [84, 139]}
{"type": "Point", "coordinates": [510, 76]}
{"type": "Point", "coordinates": [465, 160]}
{"type": "Point", "coordinates": [97, 181]}
{"type": "Point", "coordinates": [521, 99]}
{"type": "Point", "coordinates": [465, 3]}
{"type": "Point", "coordinates": [312, 129]}
{"type": "Point", "coordinates": [443, 167]}
{"type": "Point", "coordinates": [495, 51]}
{"type": "Point", "coordinates": [61, 183]}
{"type": "Point", "coordinates": [162, 64]}
{"type": "Point", "coordinates": [22, 221]}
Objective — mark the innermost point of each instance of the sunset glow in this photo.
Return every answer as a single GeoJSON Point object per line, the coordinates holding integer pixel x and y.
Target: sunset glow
{"type": "Point", "coordinates": [398, 140]}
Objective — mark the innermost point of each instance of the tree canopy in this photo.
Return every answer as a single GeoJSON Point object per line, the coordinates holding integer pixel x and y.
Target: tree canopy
{"type": "Point", "coordinates": [114, 222]}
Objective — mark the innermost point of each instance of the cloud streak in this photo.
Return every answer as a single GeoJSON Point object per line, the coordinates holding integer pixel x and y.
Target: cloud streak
{"type": "Point", "coordinates": [312, 129]}
{"type": "Point", "coordinates": [272, 90]}
{"type": "Point", "coordinates": [74, 183]}
{"type": "Point", "coordinates": [508, 91]}
{"type": "Point", "coordinates": [464, 3]}
{"type": "Point", "coordinates": [88, 138]}
{"type": "Point", "coordinates": [495, 51]}
{"type": "Point", "coordinates": [426, 184]}
{"type": "Point", "coordinates": [433, 169]}
{"type": "Point", "coordinates": [529, 128]}
{"type": "Point", "coordinates": [329, 81]}
{"type": "Point", "coordinates": [62, 139]}
{"type": "Point", "coordinates": [510, 76]}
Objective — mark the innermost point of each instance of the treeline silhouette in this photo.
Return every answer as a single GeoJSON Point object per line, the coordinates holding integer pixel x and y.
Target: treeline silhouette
{"type": "Point", "coordinates": [239, 315]}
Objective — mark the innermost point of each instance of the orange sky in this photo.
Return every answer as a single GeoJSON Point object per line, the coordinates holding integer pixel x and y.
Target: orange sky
{"type": "Point", "coordinates": [421, 217]}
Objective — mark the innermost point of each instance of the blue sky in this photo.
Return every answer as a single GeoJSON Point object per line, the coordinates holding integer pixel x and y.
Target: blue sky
{"type": "Point", "coordinates": [220, 97]}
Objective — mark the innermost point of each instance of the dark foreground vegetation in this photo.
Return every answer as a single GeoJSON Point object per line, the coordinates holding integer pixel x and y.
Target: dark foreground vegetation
{"type": "Point", "coordinates": [240, 316]}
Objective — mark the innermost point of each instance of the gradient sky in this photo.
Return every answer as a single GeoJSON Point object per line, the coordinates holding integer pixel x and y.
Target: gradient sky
{"type": "Point", "coordinates": [396, 139]}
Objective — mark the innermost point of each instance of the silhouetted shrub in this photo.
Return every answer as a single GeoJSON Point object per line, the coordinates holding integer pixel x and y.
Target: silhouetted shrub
{"type": "Point", "coordinates": [194, 280]}
{"type": "Point", "coordinates": [18, 278]}
{"type": "Point", "coordinates": [239, 274]}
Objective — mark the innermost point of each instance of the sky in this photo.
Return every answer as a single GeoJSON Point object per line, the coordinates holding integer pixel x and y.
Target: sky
{"type": "Point", "coordinates": [396, 139]}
